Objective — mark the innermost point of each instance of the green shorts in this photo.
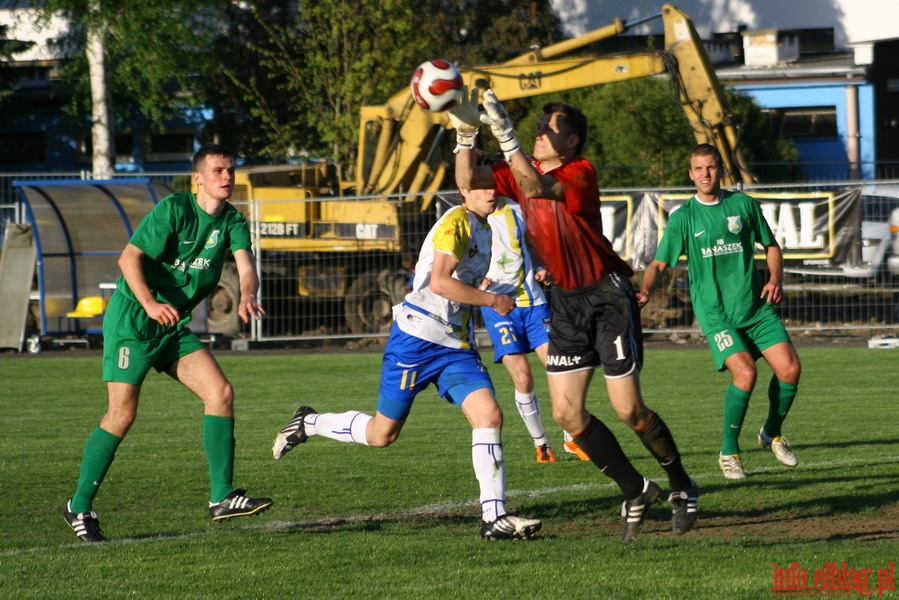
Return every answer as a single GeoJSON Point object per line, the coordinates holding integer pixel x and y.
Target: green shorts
{"type": "Point", "coordinates": [755, 339]}
{"type": "Point", "coordinates": [133, 343]}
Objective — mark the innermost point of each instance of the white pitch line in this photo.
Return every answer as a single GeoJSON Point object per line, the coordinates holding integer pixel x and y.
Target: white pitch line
{"type": "Point", "coordinates": [441, 507]}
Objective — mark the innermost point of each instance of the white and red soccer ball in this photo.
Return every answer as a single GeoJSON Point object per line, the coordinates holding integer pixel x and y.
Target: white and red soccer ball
{"type": "Point", "coordinates": [436, 85]}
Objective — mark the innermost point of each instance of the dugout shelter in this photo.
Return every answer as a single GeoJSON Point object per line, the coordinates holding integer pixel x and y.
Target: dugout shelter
{"type": "Point", "coordinates": [79, 229]}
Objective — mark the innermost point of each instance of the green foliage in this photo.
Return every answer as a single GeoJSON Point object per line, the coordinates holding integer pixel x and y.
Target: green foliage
{"type": "Point", "coordinates": [303, 77]}
{"type": "Point", "coordinates": [474, 33]}
{"type": "Point", "coordinates": [154, 52]}
{"type": "Point", "coordinates": [639, 136]}
{"type": "Point", "coordinates": [309, 72]}
{"type": "Point", "coordinates": [247, 99]}
{"type": "Point", "coordinates": [638, 123]}
{"type": "Point", "coordinates": [761, 146]}
{"type": "Point", "coordinates": [402, 522]}
{"type": "Point", "coordinates": [354, 55]}
{"type": "Point", "coordinates": [285, 79]}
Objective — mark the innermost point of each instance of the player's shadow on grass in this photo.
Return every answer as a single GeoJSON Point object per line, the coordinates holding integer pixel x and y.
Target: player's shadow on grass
{"type": "Point", "coordinates": [847, 444]}
{"type": "Point", "coordinates": [376, 523]}
{"type": "Point", "coordinates": [869, 511]}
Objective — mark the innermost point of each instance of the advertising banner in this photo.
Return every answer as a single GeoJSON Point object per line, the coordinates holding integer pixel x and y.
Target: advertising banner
{"type": "Point", "coordinates": [817, 231]}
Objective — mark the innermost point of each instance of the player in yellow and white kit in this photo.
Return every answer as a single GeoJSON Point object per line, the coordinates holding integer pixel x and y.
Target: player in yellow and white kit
{"type": "Point", "coordinates": [526, 328]}
{"type": "Point", "coordinates": [432, 341]}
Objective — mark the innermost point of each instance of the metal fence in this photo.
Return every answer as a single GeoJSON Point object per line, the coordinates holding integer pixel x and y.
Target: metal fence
{"type": "Point", "coordinates": [349, 294]}
{"type": "Point", "coordinates": [343, 285]}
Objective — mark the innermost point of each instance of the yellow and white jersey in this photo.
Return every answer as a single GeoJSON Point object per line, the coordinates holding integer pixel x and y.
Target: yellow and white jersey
{"type": "Point", "coordinates": [428, 316]}
{"type": "Point", "coordinates": [511, 266]}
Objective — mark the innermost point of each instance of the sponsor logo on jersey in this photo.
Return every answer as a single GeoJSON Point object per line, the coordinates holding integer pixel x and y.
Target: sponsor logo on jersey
{"type": "Point", "coordinates": [213, 239]}
{"type": "Point", "coordinates": [197, 264]}
{"type": "Point", "coordinates": [201, 264]}
{"type": "Point", "coordinates": [722, 249]}
{"type": "Point", "coordinates": [508, 262]}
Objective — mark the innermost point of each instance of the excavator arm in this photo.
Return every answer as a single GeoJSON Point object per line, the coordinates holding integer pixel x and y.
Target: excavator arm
{"type": "Point", "coordinates": [401, 146]}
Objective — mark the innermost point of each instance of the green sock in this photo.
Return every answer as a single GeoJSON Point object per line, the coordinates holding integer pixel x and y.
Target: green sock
{"type": "Point", "coordinates": [98, 455]}
{"type": "Point", "coordinates": [780, 399]}
{"type": "Point", "coordinates": [736, 402]}
{"type": "Point", "coordinates": [218, 441]}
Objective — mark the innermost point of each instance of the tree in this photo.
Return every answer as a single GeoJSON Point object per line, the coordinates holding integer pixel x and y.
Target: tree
{"type": "Point", "coordinates": [101, 128]}
{"type": "Point", "coordinates": [472, 32]}
{"type": "Point", "coordinates": [774, 158]}
{"type": "Point", "coordinates": [639, 136]}
{"type": "Point", "coordinates": [333, 56]}
{"type": "Point", "coordinates": [246, 98]}
{"type": "Point", "coordinates": [146, 58]}
{"type": "Point", "coordinates": [327, 60]}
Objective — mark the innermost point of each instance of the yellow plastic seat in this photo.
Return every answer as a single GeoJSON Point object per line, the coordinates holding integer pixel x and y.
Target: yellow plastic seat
{"type": "Point", "coordinates": [89, 307]}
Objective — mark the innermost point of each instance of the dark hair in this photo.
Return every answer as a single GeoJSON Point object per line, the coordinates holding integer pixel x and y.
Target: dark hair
{"type": "Point", "coordinates": [706, 150]}
{"type": "Point", "coordinates": [210, 150]}
{"type": "Point", "coordinates": [573, 120]}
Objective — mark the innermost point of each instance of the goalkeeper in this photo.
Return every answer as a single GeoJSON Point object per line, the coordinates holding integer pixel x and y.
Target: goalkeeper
{"type": "Point", "coordinates": [595, 316]}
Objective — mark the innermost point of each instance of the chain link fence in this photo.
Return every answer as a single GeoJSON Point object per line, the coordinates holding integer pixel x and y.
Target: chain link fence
{"type": "Point", "coordinates": [337, 271]}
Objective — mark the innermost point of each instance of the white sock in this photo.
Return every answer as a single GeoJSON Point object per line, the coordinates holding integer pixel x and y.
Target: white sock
{"type": "Point", "coordinates": [490, 471]}
{"type": "Point", "coordinates": [348, 427]}
{"type": "Point", "coordinates": [529, 409]}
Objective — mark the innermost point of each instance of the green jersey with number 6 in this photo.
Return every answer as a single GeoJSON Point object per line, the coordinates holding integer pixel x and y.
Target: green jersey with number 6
{"type": "Point", "coordinates": [719, 241]}
{"type": "Point", "coordinates": [185, 248]}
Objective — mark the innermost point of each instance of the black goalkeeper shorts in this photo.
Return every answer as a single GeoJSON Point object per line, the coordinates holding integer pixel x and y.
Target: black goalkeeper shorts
{"type": "Point", "coordinates": [596, 325]}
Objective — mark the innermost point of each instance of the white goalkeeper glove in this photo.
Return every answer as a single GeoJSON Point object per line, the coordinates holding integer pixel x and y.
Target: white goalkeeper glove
{"type": "Point", "coordinates": [501, 125]}
{"type": "Point", "coordinates": [465, 120]}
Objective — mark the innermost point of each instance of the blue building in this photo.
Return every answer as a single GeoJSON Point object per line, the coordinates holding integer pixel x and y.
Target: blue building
{"type": "Point", "coordinates": [834, 106]}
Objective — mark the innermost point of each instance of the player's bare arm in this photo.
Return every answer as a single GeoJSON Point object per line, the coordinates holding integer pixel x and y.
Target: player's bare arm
{"type": "Point", "coordinates": [133, 271]}
{"type": "Point", "coordinates": [445, 285]}
{"type": "Point", "coordinates": [773, 289]}
{"type": "Point", "coordinates": [249, 286]}
{"type": "Point", "coordinates": [650, 276]}
{"type": "Point", "coordinates": [532, 183]}
{"type": "Point", "coordinates": [468, 175]}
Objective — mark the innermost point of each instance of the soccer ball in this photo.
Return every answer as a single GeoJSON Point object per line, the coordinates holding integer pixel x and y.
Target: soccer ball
{"type": "Point", "coordinates": [436, 85]}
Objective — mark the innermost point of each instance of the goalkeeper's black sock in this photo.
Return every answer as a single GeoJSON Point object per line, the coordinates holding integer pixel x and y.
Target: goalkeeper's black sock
{"type": "Point", "coordinates": [658, 440]}
{"type": "Point", "coordinates": [600, 444]}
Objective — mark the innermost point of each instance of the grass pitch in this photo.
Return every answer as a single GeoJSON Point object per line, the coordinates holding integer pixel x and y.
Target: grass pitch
{"type": "Point", "coordinates": [402, 522]}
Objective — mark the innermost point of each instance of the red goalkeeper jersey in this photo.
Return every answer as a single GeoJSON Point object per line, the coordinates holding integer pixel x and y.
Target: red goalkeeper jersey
{"type": "Point", "coordinates": [566, 235]}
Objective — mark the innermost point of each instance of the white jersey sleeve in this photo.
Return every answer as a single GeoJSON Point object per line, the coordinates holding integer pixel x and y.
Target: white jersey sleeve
{"type": "Point", "coordinates": [428, 316]}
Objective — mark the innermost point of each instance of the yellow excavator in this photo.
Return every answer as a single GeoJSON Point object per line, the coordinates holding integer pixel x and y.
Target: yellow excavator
{"type": "Point", "coordinates": [404, 137]}
{"type": "Point", "coordinates": [350, 240]}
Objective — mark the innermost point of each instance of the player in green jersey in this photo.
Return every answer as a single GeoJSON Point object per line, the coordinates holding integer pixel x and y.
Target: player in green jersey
{"type": "Point", "coordinates": [718, 231]}
{"type": "Point", "coordinates": [172, 262]}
